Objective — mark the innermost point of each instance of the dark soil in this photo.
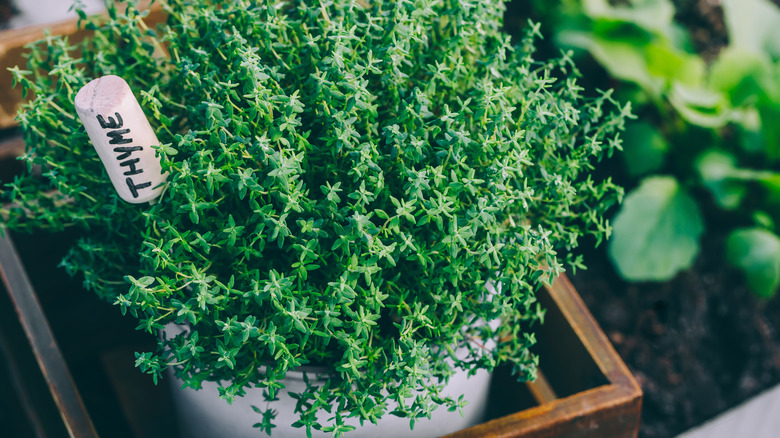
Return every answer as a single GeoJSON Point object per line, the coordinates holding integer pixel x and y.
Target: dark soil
{"type": "Point", "coordinates": [704, 21]}
{"type": "Point", "coordinates": [697, 345]}
{"type": "Point", "coordinates": [701, 343]}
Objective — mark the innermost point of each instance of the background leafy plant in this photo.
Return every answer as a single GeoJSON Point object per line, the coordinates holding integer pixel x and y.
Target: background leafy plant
{"type": "Point", "coordinates": [706, 141]}
{"type": "Point", "coordinates": [345, 179]}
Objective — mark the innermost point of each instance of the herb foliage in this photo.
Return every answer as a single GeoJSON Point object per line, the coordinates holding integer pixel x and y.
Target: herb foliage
{"type": "Point", "coordinates": [708, 125]}
{"type": "Point", "coordinates": [345, 179]}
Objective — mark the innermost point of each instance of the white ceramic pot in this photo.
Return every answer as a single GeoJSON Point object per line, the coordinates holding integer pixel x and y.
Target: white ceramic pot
{"type": "Point", "coordinates": [202, 414]}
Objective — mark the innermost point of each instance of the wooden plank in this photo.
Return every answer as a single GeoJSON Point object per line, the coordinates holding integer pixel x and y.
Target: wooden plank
{"type": "Point", "coordinates": [541, 389]}
{"type": "Point", "coordinates": [607, 410]}
{"type": "Point", "coordinates": [600, 412]}
{"type": "Point", "coordinates": [591, 335]}
{"type": "Point", "coordinates": [12, 51]}
{"type": "Point", "coordinates": [20, 396]}
{"type": "Point", "coordinates": [47, 353]}
{"type": "Point", "coordinates": [11, 147]}
{"type": "Point", "coordinates": [611, 410]}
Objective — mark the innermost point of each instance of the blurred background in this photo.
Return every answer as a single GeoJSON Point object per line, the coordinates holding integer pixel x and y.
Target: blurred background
{"type": "Point", "coordinates": [686, 287]}
{"type": "Point", "coordinates": [20, 13]}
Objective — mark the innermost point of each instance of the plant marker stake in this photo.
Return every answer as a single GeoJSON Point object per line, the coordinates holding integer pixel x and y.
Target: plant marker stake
{"type": "Point", "coordinates": [122, 137]}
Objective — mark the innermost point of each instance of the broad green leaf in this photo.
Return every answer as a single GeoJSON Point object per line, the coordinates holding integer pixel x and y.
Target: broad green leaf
{"type": "Point", "coordinates": [651, 62]}
{"type": "Point", "coordinates": [769, 179]}
{"type": "Point", "coordinates": [719, 172]}
{"type": "Point", "coordinates": [753, 25]}
{"type": "Point", "coordinates": [740, 74]}
{"type": "Point", "coordinates": [752, 85]}
{"type": "Point", "coordinates": [749, 135]}
{"type": "Point", "coordinates": [666, 61]}
{"type": "Point", "coordinates": [654, 15]}
{"type": "Point", "coordinates": [771, 86]}
{"type": "Point", "coordinates": [622, 60]}
{"type": "Point", "coordinates": [763, 219]}
{"type": "Point", "coordinates": [644, 148]}
{"type": "Point", "coordinates": [656, 233]}
{"type": "Point", "coordinates": [716, 169]}
{"type": "Point", "coordinates": [700, 106]}
{"type": "Point", "coordinates": [698, 97]}
{"type": "Point", "coordinates": [756, 252]}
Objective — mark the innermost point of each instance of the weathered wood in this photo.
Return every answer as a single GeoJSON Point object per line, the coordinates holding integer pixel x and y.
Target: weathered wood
{"type": "Point", "coordinates": [43, 344]}
{"type": "Point", "coordinates": [20, 415]}
{"type": "Point", "coordinates": [12, 51]}
{"type": "Point", "coordinates": [611, 410]}
{"type": "Point", "coordinates": [608, 409]}
{"type": "Point", "coordinates": [12, 44]}
{"type": "Point", "coordinates": [541, 390]}
{"type": "Point", "coordinates": [11, 147]}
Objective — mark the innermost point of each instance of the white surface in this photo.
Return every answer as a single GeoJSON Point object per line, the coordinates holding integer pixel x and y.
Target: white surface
{"type": "Point", "coordinates": [202, 414]}
{"type": "Point", "coordinates": [33, 12]}
{"type": "Point", "coordinates": [122, 136]}
{"type": "Point", "coordinates": [758, 417]}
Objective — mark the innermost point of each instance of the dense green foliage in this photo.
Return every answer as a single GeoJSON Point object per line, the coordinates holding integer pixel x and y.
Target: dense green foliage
{"type": "Point", "coordinates": [345, 179]}
{"type": "Point", "coordinates": [709, 124]}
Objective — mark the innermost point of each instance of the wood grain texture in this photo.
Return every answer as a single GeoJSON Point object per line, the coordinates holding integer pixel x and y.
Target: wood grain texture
{"type": "Point", "coordinates": [12, 49]}
{"type": "Point", "coordinates": [541, 390]}
{"type": "Point", "coordinates": [47, 353]}
{"type": "Point", "coordinates": [606, 411]}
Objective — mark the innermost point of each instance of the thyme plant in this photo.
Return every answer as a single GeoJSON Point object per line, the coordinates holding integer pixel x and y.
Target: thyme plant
{"type": "Point", "coordinates": [344, 180]}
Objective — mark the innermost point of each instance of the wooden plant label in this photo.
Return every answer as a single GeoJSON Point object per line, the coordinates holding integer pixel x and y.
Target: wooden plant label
{"type": "Point", "coordinates": [122, 136]}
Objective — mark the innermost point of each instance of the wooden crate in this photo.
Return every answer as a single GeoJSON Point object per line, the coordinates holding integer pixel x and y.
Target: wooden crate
{"type": "Point", "coordinates": [585, 390]}
{"type": "Point", "coordinates": [12, 43]}
{"type": "Point", "coordinates": [83, 347]}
